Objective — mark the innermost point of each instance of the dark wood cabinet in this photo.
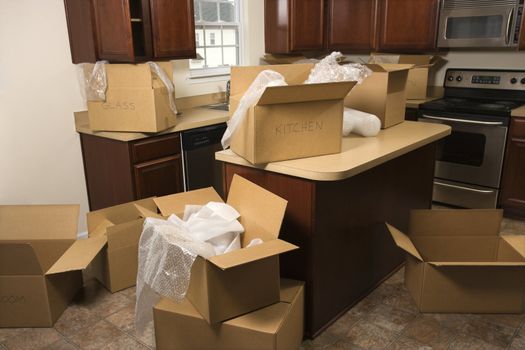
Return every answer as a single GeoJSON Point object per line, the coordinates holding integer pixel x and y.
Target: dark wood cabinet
{"type": "Point", "coordinates": [119, 171]}
{"type": "Point", "coordinates": [351, 25]}
{"type": "Point", "coordinates": [408, 25]}
{"type": "Point", "coordinates": [512, 197]}
{"type": "Point", "coordinates": [294, 25]}
{"type": "Point", "coordinates": [130, 30]}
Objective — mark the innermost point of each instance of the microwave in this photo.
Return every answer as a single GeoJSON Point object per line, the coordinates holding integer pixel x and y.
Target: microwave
{"type": "Point", "coordinates": [480, 23]}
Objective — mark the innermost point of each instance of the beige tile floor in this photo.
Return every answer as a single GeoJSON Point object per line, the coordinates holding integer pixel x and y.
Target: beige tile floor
{"type": "Point", "coordinates": [386, 319]}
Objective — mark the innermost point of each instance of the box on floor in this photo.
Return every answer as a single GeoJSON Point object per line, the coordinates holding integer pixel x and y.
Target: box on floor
{"type": "Point", "coordinates": [458, 262]}
{"type": "Point", "coordinates": [275, 327]}
{"type": "Point", "coordinates": [382, 94]}
{"type": "Point", "coordinates": [136, 100]}
{"type": "Point", "coordinates": [288, 122]}
{"type": "Point", "coordinates": [235, 283]}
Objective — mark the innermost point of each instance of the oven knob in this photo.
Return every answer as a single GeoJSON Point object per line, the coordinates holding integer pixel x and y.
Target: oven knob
{"type": "Point", "coordinates": [450, 78]}
{"type": "Point", "coordinates": [459, 78]}
{"type": "Point", "coordinates": [523, 80]}
{"type": "Point", "coordinates": [513, 81]}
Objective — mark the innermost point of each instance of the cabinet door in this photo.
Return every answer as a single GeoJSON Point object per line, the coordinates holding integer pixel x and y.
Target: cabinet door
{"type": "Point", "coordinates": [114, 35]}
{"type": "Point", "coordinates": [81, 30]}
{"type": "Point", "coordinates": [409, 25]}
{"type": "Point", "coordinates": [351, 24]}
{"type": "Point", "coordinates": [173, 28]}
{"type": "Point", "coordinates": [306, 25]}
{"type": "Point", "coordinates": [158, 177]}
{"type": "Point", "coordinates": [513, 183]}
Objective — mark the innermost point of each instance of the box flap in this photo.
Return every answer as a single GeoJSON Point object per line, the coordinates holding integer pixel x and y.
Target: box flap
{"type": "Point", "coordinates": [128, 76]}
{"type": "Point", "coordinates": [477, 263]}
{"type": "Point", "coordinates": [418, 61]}
{"type": "Point", "coordinates": [101, 228]}
{"type": "Point", "coordinates": [388, 67]}
{"type": "Point", "coordinates": [289, 289]}
{"type": "Point", "coordinates": [31, 222]}
{"type": "Point", "coordinates": [146, 212]}
{"type": "Point", "coordinates": [404, 242]}
{"type": "Point", "coordinates": [124, 235]}
{"type": "Point", "coordinates": [455, 222]}
{"type": "Point", "coordinates": [517, 242]}
{"type": "Point", "coordinates": [79, 255]}
{"type": "Point", "coordinates": [262, 212]}
{"type": "Point", "coordinates": [18, 259]}
{"type": "Point", "coordinates": [175, 203]}
{"type": "Point", "coordinates": [246, 255]}
{"type": "Point", "coordinates": [121, 213]}
{"type": "Point", "coordinates": [305, 93]}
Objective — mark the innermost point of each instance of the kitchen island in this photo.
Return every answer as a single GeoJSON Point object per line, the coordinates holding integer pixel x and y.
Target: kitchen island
{"type": "Point", "coordinates": [337, 206]}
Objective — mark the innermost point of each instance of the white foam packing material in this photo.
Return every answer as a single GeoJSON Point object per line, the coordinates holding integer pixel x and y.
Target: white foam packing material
{"type": "Point", "coordinates": [360, 123]}
{"type": "Point", "coordinates": [168, 249]}
{"type": "Point", "coordinates": [329, 70]}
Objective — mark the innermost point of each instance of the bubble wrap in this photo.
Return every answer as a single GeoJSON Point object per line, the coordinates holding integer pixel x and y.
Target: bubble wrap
{"type": "Point", "coordinates": [329, 70]}
{"type": "Point", "coordinates": [360, 123]}
{"type": "Point", "coordinates": [155, 68]}
{"type": "Point", "coordinates": [92, 80]}
{"type": "Point", "coordinates": [251, 96]}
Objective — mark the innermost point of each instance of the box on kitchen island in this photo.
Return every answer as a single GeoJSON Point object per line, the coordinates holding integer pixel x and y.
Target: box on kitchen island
{"type": "Point", "coordinates": [275, 327]}
{"type": "Point", "coordinates": [241, 281]}
{"type": "Point", "coordinates": [120, 226]}
{"type": "Point", "coordinates": [458, 262]}
{"type": "Point", "coordinates": [40, 262]}
{"type": "Point", "coordinates": [288, 122]}
{"type": "Point", "coordinates": [136, 100]}
{"type": "Point", "coordinates": [383, 93]}
{"type": "Point", "coordinates": [417, 84]}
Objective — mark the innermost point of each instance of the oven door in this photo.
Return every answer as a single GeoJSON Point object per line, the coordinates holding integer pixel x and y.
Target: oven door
{"type": "Point", "coordinates": [473, 153]}
{"type": "Point", "coordinates": [490, 26]}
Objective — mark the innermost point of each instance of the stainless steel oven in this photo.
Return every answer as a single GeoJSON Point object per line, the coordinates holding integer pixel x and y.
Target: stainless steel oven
{"type": "Point", "coordinates": [480, 23]}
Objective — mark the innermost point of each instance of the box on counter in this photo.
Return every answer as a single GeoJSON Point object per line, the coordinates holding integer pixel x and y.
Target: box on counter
{"type": "Point", "coordinates": [458, 262]}
{"type": "Point", "coordinates": [121, 226]}
{"type": "Point", "coordinates": [40, 262]}
{"type": "Point", "coordinates": [383, 93]}
{"type": "Point", "coordinates": [417, 84]}
{"type": "Point", "coordinates": [275, 327]}
{"type": "Point", "coordinates": [238, 282]}
{"type": "Point", "coordinates": [136, 100]}
{"type": "Point", "coordinates": [288, 122]}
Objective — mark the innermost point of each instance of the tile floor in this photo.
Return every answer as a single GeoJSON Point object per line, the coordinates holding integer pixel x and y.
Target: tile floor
{"type": "Point", "coordinates": [386, 319]}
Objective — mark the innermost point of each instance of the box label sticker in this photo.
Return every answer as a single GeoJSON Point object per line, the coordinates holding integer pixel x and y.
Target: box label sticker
{"type": "Point", "coordinates": [120, 105]}
{"type": "Point", "coordinates": [12, 299]}
{"type": "Point", "coordinates": [298, 127]}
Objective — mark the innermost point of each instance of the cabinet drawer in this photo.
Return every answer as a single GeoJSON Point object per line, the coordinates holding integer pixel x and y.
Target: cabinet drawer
{"type": "Point", "coordinates": [155, 147]}
{"type": "Point", "coordinates": [517, 129]}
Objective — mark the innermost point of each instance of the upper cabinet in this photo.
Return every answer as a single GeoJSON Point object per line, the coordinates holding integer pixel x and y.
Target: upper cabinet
{"type": "Point", "coordinates": [408, 25]}
{"type": "Point", "coordinates": [130, 30]}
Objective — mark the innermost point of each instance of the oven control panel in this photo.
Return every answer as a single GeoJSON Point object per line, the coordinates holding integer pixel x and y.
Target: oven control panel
{"type": "Point", "coordinates": [485, 79]}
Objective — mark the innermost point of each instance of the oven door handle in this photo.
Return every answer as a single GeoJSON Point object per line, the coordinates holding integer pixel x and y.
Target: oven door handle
{"type": "Point", "coordinates": [466, 121]}
{"type": "Point", "coordinates": [463, 188]}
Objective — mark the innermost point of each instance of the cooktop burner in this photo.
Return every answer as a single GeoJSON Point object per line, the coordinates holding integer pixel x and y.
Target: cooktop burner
{"type": "Point", "coordinates": [464, 105]}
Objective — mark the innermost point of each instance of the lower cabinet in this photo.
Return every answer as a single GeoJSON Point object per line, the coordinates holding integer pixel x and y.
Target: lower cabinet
{"type": "Point", "coordinates": [122, 171]}
{"type": "Point", "coordinates": [512, 198]}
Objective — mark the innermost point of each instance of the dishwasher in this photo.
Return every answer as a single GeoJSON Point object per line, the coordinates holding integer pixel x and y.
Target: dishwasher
{"type": "Point", "coordinates": [198, 153]}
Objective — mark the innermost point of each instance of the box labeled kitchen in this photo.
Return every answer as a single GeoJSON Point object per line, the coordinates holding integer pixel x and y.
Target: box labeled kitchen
{"type": "Point", "coordinates": [417, 83]}
{"type": "Point", "coordinates": [383, 93]}
{"type": "Point", "coordinates": [40, 262]}
{"type": "Point", "coordinates": [458, 262]}
{"type": "Point", "coordinates": [136, 100]}
{"type": "Point", "coordinates": [228, 285]}
{"type": "Point", "coordinates": [294, 121]}
{"type": "Point", "coordinates": [275, 327]}
{"type": "Point", "coordinates": [120, 226]}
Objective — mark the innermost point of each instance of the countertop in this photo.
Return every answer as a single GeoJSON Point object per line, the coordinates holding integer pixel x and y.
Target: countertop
{"type": "Point", "coordinates": [358, 153]}
{"type": "Point", "coordinates": [519, 112]}
{"type": "Point", "coordinates": [190, 119]}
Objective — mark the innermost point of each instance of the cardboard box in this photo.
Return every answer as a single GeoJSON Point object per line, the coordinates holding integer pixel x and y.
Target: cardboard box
{"type": "Point", "coordinates": [383, 93]}
{"type": "Point", "coordinates": [232, 284]}
{"type": "Point", "coordinates": [417, 84]}
{"type": "Point", "coordinates": [275, 327]}
{"type": "Point", "coordinates": [288, 122]}
{"type": "Point", "coordinates": [136, 100]}
{"type": "Point", "coordinates": [457, 262]}
{"type": "Point", "coordinates": [40, 263]}
{"type": "Point", "coordinates": [120, 226]}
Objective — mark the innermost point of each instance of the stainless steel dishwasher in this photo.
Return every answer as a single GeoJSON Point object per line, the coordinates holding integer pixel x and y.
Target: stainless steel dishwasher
{"type": "Point", "coordinates": [198, 152]}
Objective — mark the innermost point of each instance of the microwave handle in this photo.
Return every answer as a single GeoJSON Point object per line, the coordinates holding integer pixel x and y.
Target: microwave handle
{"type": "Point", "coordinates": [466, 121]}
{"type": "Point", "coordinates": [509, 26]}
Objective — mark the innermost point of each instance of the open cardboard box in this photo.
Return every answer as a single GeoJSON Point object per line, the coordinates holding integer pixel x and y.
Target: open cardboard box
{"type": "Point", "coordinates": [288, 122]}
{"type": "Point", "coordinates": [40, 262]}
{"type": "Point", "coordinates": [136, 100]}
{"type": "Point", "coordinates": [120, 226]}
{"type": "Point", "coordinates": [458, 262]}
{"type": "Point", "coordinates": [382, 94]}
{"type": "Point", "coordinates": [232, 284]}
{"type": "Point", "coordinates": [275, 327]}
{"type": "Point", "coordinates": [417, 84]}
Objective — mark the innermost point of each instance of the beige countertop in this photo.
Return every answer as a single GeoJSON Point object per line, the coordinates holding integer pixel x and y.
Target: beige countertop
{"type": "Point", "coordinates": [519, 112]}
{"type": "Point", "coordinates": [358, 155]}
{"type": "Point", "coordinates": [190, 119]}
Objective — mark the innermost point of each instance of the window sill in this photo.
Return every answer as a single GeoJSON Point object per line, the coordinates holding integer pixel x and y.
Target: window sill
{"type": "Point", "coordinates": [199, 79]}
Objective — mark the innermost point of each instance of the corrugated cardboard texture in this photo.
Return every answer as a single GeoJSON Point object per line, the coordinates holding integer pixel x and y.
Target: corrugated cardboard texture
{"type": "Point", "coordinates": [276, 327]}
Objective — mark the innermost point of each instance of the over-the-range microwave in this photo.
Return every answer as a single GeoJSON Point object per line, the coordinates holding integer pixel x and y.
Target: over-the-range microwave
{"type": "Point", "coordinates": [480, 23]}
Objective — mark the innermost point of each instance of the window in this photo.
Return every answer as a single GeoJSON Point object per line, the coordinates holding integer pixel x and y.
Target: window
{"type": "Point", "coordinates": [217, 28]}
